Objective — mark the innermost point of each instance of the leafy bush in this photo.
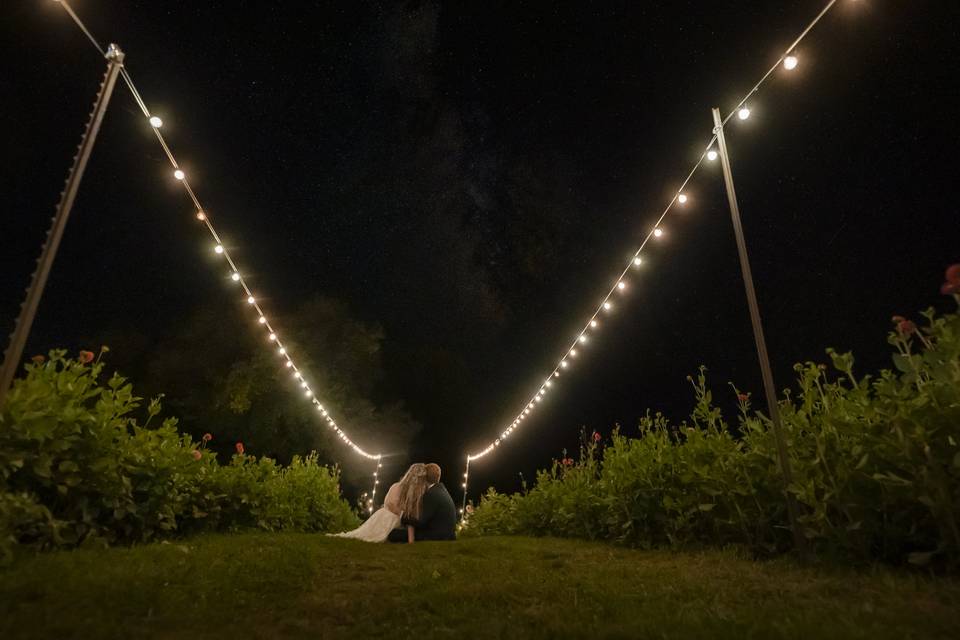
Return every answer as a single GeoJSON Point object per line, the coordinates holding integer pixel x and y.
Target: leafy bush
{"type": "Point", "coordinates": [876, 466]}
{"type": "Point", "coordinates": [76, 467]}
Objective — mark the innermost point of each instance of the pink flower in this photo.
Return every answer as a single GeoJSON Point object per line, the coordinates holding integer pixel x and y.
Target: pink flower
{"type": "Point", "coordinates": [38, 359]}
{"type": "Point", "coordinates": [953, 274]}
{"type": "Point", "coordinates": [207, 437]}
{"type": "Point", "coordinates": [906, 327]}
{"type": "Point", "coordinates": [742, 397]}
{"type": "Point", "coordinates": [596, 436]}
{"type": "Point", "coordinates": [85, 357]}
{"type": "Point", "coordinates": [239, 447]}
{"type": "Point", "coordinates": [196, 454]}
{"type": "Point", "coordinates": [567, 462]}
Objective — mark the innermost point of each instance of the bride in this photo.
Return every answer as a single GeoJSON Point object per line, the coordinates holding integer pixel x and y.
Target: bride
{"type": "Point", "coordinates": [403, 499]}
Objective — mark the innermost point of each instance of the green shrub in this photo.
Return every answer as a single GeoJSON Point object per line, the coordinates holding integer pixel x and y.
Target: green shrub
{"type": "Point", "coordinates": [77, 467]}
{"type": "Point", "coordinates": [876, 466]}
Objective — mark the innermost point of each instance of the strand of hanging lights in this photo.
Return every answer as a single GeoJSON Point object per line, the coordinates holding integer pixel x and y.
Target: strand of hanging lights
{"type": "Point", "coordinates": [272, 335]}
{"type": "Point", "coordinates": [788, 61]}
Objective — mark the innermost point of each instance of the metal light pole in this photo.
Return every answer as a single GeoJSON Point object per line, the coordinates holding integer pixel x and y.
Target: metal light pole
{"type": "Point", "coordinates": [768, 386]}
{"type": "Point", "coordinates": [28, 310]}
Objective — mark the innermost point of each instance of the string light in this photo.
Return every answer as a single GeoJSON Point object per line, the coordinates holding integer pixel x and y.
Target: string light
{"type": "Point", "coordinates": [156, 123]}
{"type": "Point", "coordinates": [621, 285]}
{"type": "Point", "coordinates": [742, 111]}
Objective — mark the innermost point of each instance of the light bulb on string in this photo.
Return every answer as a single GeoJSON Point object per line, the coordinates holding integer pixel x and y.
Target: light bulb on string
{"type": "Point", "coordinates": [281, 351]}
{"type": "Point", "coordinates": [658, 232]}
{"type": "Point", "coordinates": [218, 249]}
{"type": "Point", "coordinates": [743, 113]}
{"type": "Point", "coordinates": [573, 353]}
{"type": "Point", "coordinates": [179, 174]}
{"type": "Point", "coordinates": [583, 338]}
{"type": "Point", "coordinates": [262, 320]}
{"type": "Point", "coordinates": [606, 305]}
{"type": "Point", "coordinates": [621, 285]}
{"type": "Point", "coordinates": [156, 122]}
{"type": "Point", "coordinates": [251, 299]}
{"type": "Point", "coordinates": [201, 215]}
{"type": "Point", "coordinates": [682, 198]}
{"type": "Point", "coordinates": [288, 364]}
{"type": "Point", "coordinates": [564, 364]}
{"type": "Point", "coordinates": [235, 276]}
{"type": "Point", "coordinates": [273, 337]}
{"type": "Point", "coordinates": [636, 262]}
{"type": "Point", "coordinates": [712, 155]}
{"type": "Point", "coordinates": [593, 324]}
{"type": "Point", "coordinates": [790, 62]}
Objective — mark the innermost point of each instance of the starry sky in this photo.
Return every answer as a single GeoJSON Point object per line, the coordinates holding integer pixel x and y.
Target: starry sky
{"type": "Point", "coordinates": [472, 176]}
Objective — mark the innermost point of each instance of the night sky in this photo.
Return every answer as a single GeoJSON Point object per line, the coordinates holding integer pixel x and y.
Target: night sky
{"type": "Point", "coordinates": [474, 175]}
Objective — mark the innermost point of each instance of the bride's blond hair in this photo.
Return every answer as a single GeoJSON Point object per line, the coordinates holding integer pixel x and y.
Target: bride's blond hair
{"type": "Point", "coordinates": [412, 487]}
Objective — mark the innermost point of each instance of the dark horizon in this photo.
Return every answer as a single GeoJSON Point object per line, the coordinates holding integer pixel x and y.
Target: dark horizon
{"type": "Point", "coordinates": [473, 177]}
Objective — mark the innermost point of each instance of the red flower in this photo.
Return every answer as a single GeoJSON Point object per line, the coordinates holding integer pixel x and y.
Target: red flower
{"type": "Point", "coordinates": [950, 288]}
{"type": "Point", "coordinates": [567, 462]}
{"type": "Point", "coordinates": [596, 436]}
{"type": "Point", "coordinates": [196, 454]}
{"type": "Point", "coordinates": [953, 274]}
{"type": "Point", "coordinates": [906, 327]}
{"type": "Point", "coordinates": [86, 357]}
{"type": "Point", "coordinates": [239, 447]}
{"type": "Point", "coordinates": [38, 359]}
{"type": "Point", "coordinates": [742, 397]}
{"type": "Point", "coordinates": [207, 437]}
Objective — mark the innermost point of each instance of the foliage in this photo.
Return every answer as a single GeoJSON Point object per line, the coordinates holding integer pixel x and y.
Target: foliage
{"type": "Point", "coordinates": [303, 586]}
{"type": "Point", "coordinates": [76, 467]}
{"type": "Point", "coordinates": [875, 462]}
{"type": "Point", "coordinates": [214, 370]}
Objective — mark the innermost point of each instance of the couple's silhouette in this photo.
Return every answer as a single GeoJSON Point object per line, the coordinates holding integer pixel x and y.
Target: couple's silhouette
{"type": "Point", "coordinates": [417, 508]}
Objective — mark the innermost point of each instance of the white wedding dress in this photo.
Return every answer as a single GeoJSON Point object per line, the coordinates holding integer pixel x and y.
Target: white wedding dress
{"type": "Point", "coordinates": [380, 524]}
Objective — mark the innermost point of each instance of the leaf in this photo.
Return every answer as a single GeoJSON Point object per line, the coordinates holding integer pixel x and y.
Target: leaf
{"type": "Point", "coordinates": [707, 507]}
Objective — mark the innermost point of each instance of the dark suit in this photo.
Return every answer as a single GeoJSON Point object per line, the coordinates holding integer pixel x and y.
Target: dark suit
{"type": "Point", "coordinates": [437, 521]}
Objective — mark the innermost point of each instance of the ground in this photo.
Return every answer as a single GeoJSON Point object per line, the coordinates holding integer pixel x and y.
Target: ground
{"type": "Point", "coordinates": [311, 586]}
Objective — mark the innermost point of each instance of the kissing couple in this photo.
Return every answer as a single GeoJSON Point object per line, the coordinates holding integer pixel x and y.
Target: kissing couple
{"type": "Point", "coordinates": [417, 508]}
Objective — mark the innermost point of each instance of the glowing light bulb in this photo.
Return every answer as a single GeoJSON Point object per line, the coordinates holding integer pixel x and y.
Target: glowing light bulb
{"type": "Point", "coordinates": [658, 232]}
{"type": "Point", "coordinates": [564, 364]}
{"type": "Point", "coordinates": [201, 215]}
{"type": "Point", "coordinates": [156, 122]}
{"type": "Point", "coordinates": [288, 364]}
{"type": "Point", "coordinates": [637, 261]}
{"type": "Point", "coordinates": [281, 351]}
{"type": "Point", "coordinates": [711, 155]}
{"type": "Point", "coordinates": [218, 249]}
{"type": "Point", "coordinates": [682, 198]}
{"type": "Point", "coordinates": [593, 324]}
{"type": "Point", "coordinates": [621, 285]}
{"type": "Point", "coordinates": [607, 306]}
{"type": "Point", "coordinates": [235, 276]}
{"type": "Point", "coordinates": [273, 337]}
{"type": "Point", "coordinates": [573, 353]}
{"type": "Point", "coordinates": [251, 299]}
{"type": "Point", "coordinates": [790, 62]}
{"type": "Point", "coordinates": [548, 383]}
{"type": "Point", "coordinates": [309, 393]}
{"type": "Point", "coordinates": [262, 320]}
{"type": "Point", "coordinates": [744, 113]}
{"type": "Point", "coordinates": [179, 174]}
{"type": "Point", "coordinates": [583, 338]}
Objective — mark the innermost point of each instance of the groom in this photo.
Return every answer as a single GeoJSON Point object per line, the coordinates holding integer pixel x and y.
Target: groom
{"type": "Point", "coordinates": [438, 514]}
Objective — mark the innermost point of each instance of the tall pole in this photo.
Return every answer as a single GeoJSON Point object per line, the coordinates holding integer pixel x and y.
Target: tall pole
{"type": "Point", "coordinates": [768, 386]}
{"type": "Point", "coordinates": [28, 310]}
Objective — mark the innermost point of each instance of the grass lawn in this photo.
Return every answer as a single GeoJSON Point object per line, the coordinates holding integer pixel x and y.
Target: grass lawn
{"type": "Point", "coordinates": [309, 586]}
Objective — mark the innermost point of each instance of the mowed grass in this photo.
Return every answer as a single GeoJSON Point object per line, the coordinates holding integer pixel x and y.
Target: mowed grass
{"type": "Point", "coordinates": [311, 586]}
